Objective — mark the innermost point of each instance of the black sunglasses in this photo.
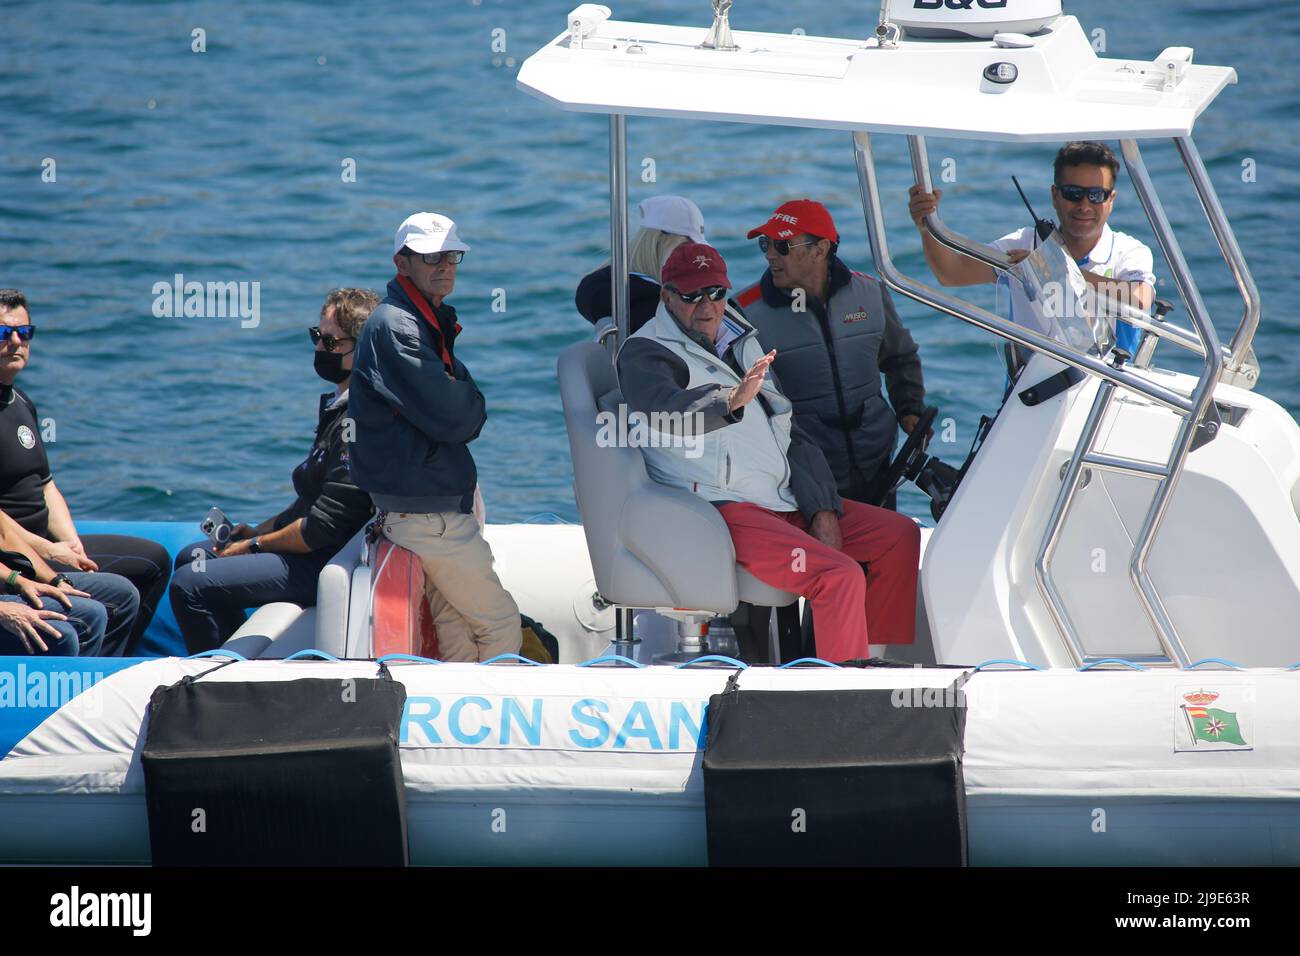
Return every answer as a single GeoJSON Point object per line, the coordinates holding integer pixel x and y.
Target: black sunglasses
{"type": "Point", "coordinates": [434, 258]}
{"type": "Point", "coordinates": [25, 332]}
{"type": "Point", "coordinates": [716, 293]}
{"type": "Point", "coordinates": [331, 341]}
{"type": "Point", "coordinates": [783, 246]}
{"type": "Point", "coordinates": [1096, 195]}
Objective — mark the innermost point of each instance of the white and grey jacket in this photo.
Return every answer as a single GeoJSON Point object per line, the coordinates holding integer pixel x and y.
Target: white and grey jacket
{"type": "Point", "coordinates": [679, 382]}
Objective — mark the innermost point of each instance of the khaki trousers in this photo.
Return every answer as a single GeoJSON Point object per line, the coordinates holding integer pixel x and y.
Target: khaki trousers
{"type": "Point", "coordinates": [476, 617]}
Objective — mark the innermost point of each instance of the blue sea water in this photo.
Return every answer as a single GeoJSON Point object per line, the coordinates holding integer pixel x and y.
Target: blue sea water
{"type": "Point", "coordinates": [227, 166]}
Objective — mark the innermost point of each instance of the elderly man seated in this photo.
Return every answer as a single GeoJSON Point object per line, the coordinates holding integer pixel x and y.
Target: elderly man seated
{"type": "Point", "coordinates": [705, 374]}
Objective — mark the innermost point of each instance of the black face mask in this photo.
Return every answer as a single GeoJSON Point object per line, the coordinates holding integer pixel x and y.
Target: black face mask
{"type": "Point", "coordinates": [329, 366]}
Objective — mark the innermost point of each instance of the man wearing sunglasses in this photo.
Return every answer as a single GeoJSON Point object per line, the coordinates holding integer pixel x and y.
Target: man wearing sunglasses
{"type": "Point", "coordinates": [695, 362]}
{"type": "Point", "coordinates": [417, 409]}
{"type": "Point", "coordinates": [835, 332]}
{"type": "Point", "coordinates": [1083, 195]}
{"type": "Point", "coordinates": [281, 558]}
{"type": "Point", "coordinates": [126, 574]}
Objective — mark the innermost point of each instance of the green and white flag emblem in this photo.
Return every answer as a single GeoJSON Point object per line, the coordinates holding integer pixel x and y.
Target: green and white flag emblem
{"type": "Point", "coordinates": [1200, 726]}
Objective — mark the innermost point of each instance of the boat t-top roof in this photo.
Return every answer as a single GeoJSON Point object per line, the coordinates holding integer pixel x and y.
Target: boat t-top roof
{"type": "Point", "coordinates": [1053, 86]}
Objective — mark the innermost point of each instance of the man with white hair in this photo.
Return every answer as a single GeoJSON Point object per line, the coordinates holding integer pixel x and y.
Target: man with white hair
{"type": "Point", "coordinates": [417, 409]}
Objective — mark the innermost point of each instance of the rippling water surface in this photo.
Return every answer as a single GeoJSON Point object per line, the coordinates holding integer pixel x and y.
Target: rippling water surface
{"type": "Point", "coordinates": [227, 166]}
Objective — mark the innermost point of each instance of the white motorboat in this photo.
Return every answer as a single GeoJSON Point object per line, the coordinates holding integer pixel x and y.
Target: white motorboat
{"type": "Point", "coordinates": [1106, 655]}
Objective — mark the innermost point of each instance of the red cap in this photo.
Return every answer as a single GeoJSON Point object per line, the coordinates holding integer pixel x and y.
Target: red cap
{"type": "Point", "coordinates": [692, 266]}
{"type": "Point", "coordinates": [795, 217]}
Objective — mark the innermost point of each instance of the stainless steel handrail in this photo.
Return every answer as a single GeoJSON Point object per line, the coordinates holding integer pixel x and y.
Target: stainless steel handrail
{"type": "Point", "coordinates": [982, 318]}
{"type": "Point", "coordinates": [618, 269]}
{"type": "Point", "coordinates": [1190, 410]}
{"type": "Point", "coordinates": [953, 240]}
{"type": "Point", "coordinates": [618, 266]}
{"type": "Point", "coordinates": [1201, 397]}
{"type": "Point", "coordinates": [1056, 521]}
{"type": "Point", "coordinates": [1245, 334]}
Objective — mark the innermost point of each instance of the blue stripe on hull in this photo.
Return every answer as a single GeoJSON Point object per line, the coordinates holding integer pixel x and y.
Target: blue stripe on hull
{"type": "Point", "coordinates": [32, 688]}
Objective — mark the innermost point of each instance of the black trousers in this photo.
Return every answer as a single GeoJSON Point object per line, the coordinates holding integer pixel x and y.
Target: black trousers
{"type": "Point", "coordinates": [146, 564]}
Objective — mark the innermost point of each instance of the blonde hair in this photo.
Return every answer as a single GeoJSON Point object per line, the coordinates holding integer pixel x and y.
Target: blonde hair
{"type": "Point", "coordinates": [650, 250]}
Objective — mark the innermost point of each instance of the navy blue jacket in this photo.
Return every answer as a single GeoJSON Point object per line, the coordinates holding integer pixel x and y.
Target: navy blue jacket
{"type": "Point", "coordinates": [413, 423]}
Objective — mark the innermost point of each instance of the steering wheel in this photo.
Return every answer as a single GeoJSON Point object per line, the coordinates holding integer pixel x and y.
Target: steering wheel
{"type": "Point", "coordinates": [911, 457]}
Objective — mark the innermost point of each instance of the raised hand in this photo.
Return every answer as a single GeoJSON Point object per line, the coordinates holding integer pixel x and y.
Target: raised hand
{"type": "Point", "coordinates": [750, 385]}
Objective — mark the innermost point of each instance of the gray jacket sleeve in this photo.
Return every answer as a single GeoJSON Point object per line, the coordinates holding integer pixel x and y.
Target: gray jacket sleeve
{"type": "Point", "coordinates": [653, 379]}
{"type": "Point", "coordinates": [409, 375]}
{"type": "Point", "coordinates": [900, 363]}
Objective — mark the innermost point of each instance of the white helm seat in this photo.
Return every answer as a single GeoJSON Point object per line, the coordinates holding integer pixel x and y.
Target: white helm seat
{"type": "Point", "coordinates": [652, 546]}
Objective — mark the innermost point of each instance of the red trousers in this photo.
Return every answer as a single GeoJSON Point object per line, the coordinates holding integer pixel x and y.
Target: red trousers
{"type": "Point", "coordinates": [849, 608]}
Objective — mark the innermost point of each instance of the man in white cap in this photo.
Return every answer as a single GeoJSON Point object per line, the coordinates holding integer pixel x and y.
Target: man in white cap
{"type": "Point", "coordinates": [416, 409]}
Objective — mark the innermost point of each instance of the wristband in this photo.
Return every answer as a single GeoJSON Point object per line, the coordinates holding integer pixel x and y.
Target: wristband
{"type": "Point", "coordinates": [59, 579]}
{"type": "Point", "coordinates": [9, 581]}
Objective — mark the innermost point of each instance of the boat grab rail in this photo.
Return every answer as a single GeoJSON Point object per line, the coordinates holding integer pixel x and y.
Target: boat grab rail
{"type": "Point", "coordinates": [617, 659]}
{"type": "Point", "coordinates": [1239, 347]}
{"type": "Point", "coordinates": [816, 661]}
{"type": "Point", "coordinates": [217, 652]}
{"type": "Point", "coordinates": [311, 652]}
{"type": "Point", "coordinates": [715, 658]}
{"type": "Point", "coordinates": [1112, 660]}
{"type": "Point", "coordinates": [411, 658]}
{"type": "Point", "coordinates": [1008, 660]}
{"type": "Point", "coordinates": [1215, 660]}
{"type": "Point", "coordinates": [515, 658]}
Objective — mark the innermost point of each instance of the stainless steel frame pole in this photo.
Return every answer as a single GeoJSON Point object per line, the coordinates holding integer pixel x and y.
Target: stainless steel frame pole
{"type": "Point", "coordinates": [618, 286]}
{"type": "Point", "coordinates": [1245, 333]}
{"type": "Point", "coordinates": [1201, 398]}
{"type": "Point", "coordinates": [618, 225]}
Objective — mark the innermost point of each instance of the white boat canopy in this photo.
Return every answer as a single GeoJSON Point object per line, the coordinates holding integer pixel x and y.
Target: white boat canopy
{"type": "Point", "coordinates": [1061, 89]}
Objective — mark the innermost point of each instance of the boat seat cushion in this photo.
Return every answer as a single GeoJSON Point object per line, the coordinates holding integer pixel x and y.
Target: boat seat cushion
{"type": "Point", "coordinates": [262, 627]}
{"type": "Point", "coordinates": [298, 636]}
{"type": "Point", "coordinates": [651, 545]}
{"type": "Point", "coordinates": [275, 630]}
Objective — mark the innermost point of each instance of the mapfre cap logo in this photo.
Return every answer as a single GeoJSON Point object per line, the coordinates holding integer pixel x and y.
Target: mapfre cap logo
{"type": "Point", "coordinates": [703, 262]}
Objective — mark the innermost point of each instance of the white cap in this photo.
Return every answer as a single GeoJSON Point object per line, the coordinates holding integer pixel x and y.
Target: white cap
{"type": "Point", "coordinates": [673, 214]}
{"type": "Point", "coordinates": [428, 232]}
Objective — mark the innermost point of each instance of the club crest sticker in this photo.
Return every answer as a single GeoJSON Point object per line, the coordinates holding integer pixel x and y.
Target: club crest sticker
{"type": "Point", "coordinates": [25, 437]}
{"type": "Point", "coordinates": [1214, 719]}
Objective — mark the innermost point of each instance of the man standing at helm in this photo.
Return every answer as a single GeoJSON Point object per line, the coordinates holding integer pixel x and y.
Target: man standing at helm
{"type": "Point", "coordinates": [417, 409]}
{"type": "Point", "coordinates": [835, 332]}
{"type": "Point", "coordinates": [1083, 193]}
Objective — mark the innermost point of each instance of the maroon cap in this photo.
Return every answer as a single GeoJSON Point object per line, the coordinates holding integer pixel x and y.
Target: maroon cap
{"type": "Point", "coordinates": [795, 217]}
{"type": "Point", "coordinates": [692, 266]}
